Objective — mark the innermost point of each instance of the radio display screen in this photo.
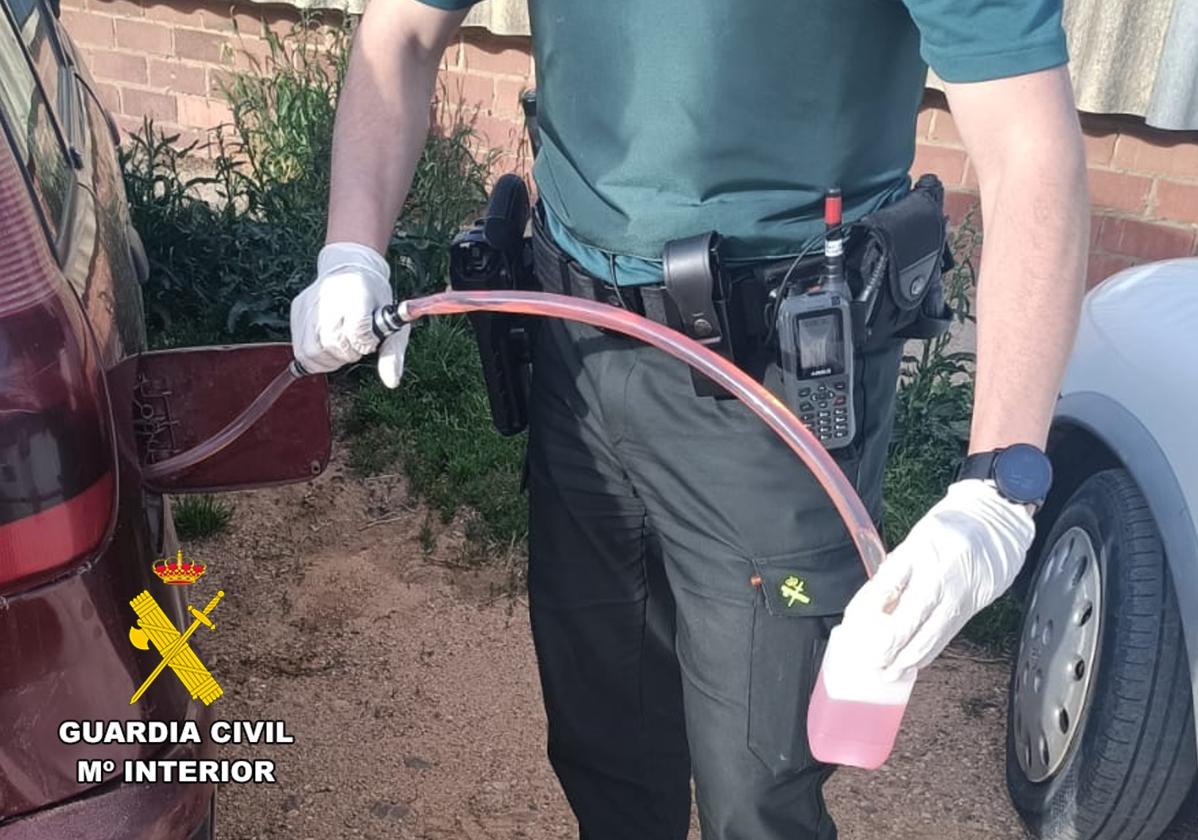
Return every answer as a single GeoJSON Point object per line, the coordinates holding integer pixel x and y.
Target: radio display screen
{"type": "Point", "coordinates": [821, 344]}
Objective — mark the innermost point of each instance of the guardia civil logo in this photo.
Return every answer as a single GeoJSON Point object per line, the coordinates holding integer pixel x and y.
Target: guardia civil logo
{"type": "Point", "coordinates": [792, 589]}
{"type": "Point", "coordinates": [154, 628]}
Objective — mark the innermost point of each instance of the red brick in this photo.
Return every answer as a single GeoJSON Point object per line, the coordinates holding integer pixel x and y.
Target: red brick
{"type": "Point", "coordinates": [1176, 202]}
{"type": "Point", "coordinates": [944, 130]}
{"type": "Point", "coordinates": [282, 21]}
{"type": "Point", "coordinates": [1109, 235]}
{"type": "Point", "coordinates": [1134, 238]}
{"type": "Point", "coordinates": [451, 59]}
{"type": "Point", "coordinates": [119, 8]}
{"type": "Point", "coordinates": [493, 54]}
{"type": "Point", "coordinates": [173, 77]}
{"type": "Point", "coordinates": [202, 46]}
{"type": "Point", "coordinates": [175, 12]}
{"type": "Point", "coordinates": [218, 80]}
{"type": "Point", "coordinates": [1173, 154]}
{"type": "Point", "coordinates": [201, 112]}
{"type": "Point", "coordinates": [88, 28]}
{"type": "Point", "coordinates": [971, 176]}
{"type": "Point", "coordinates": [508, 162]}
{"type": "Point", "coordinates": [109, 95]}
{"type": "Point", "coordinates": [130, 125]}
{"type": "Point", "coordinates": [185, 137]}
{"type": "Point", "coordinates": [143, 37]}
{"type": "Point", "coordinates": [957, 204]}
{"type": "Point", "coordinates": [118, 67]}
{"type": "Point", "coordinates": [253, 21]}
{"type": "Point", "coordinates": [923, 123]}
{"type": "Point", "coordinates": [250, 54]}
{"type": "Point", "coordinates": [1099, 136]}
{"type": "Point", "coordinates": [220, 19]}
{"type": "Point", "coordinates": [470, 90]}
{"type": "Point", "coordinates": [507, 97]}
{"type": "Point", "coordinates": [1096, 223]}
{"type": "Point", "coordinates": [948, 163]}
{"type": "Point", "coordinates": [495, 133]}
{"type": "Point", "coordinates": [137, 103]}
{"type": "Point", "coordinates": [1118, 191]}
{"type": "Point", "coordinates": [1103, 266]}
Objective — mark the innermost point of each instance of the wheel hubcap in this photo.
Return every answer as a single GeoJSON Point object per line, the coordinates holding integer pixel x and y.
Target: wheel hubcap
{"type": "Point", "coordinates": [1057, 651]}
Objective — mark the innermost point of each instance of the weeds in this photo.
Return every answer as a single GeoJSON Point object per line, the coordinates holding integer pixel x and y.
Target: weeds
{"type": "Point", "coordinates": [197, 517]}
{"type": "Point", "coordinates": [438, 425]}
{"type": "Point", "coordinates": [233, 226]}
{"type": "Point", "coordinates": [934, 404]}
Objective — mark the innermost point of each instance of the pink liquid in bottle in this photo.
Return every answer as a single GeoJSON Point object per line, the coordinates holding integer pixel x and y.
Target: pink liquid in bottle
{"type": "Point", "coordinates": [855, 711]}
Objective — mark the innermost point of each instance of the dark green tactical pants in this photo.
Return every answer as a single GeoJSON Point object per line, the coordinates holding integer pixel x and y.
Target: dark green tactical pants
{"type": "Point", "coordinates": [685, 572]}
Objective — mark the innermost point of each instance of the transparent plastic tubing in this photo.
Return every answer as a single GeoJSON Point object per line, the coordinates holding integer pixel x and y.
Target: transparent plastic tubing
{"type": "Point", "coordinates": [168, 467]}
{"type": "Point", "coordinates": [742, 386]}
{"type": "Point", "coordinates": [738, 383]}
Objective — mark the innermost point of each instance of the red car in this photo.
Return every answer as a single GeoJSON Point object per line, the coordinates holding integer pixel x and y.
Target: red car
{"type": "Point", "coordinates": [83, 407]}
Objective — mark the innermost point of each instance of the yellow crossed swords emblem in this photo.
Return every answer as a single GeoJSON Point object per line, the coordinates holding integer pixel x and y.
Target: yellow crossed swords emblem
{"type": "Point", "coordinates": [154, 626]}
{"type": "Point", "coordinates": [792, 590]}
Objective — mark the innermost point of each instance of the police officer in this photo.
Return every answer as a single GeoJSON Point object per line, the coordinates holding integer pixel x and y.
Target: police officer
{"type": "Point", "coordinates": [666, 527]}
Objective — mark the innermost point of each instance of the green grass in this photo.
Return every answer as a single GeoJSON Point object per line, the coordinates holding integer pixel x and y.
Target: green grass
{"type": "Point", "coordinates": [437, 424]}
{"type": "Point", "coordinates": [197, 517]}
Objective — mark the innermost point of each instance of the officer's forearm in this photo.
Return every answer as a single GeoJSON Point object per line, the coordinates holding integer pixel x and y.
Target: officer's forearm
{"type": "Point", "coordinates": [383, 117]}
{"type": "Point", "coordinates": [1036, 221]}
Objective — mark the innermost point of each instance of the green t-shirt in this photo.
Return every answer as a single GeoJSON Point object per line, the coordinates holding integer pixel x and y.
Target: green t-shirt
{"type": "Point", "coordinates": [661, 119]}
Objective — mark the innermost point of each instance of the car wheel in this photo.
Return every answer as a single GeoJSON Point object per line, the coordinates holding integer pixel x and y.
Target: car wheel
{"type": "Point", "coordinates": [1100, 727]}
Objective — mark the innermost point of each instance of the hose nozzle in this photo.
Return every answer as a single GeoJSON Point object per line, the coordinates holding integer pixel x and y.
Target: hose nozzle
{"type": "Point", "coordinates": [389, 319]}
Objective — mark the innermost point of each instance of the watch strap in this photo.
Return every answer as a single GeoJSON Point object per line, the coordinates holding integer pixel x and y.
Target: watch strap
{"type": "Point", "coordinates": [985, 467]}
{"type": "Point", "coordinates": [979, 465]}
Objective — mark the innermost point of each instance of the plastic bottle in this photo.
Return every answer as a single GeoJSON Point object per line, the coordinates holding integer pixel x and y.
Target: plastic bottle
{"type": "Point", "coordinates": [855, 710]}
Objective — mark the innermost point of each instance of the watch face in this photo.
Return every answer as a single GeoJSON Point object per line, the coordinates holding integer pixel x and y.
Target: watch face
{"type": "Point", "coordinates": [1023, 473]}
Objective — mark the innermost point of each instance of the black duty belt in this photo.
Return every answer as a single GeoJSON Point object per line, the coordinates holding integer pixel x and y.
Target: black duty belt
{"type": "Point", "coordinates": [745, 288]}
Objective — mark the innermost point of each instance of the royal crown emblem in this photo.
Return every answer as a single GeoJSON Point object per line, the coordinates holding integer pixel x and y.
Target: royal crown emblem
{"type": "Point", "coordinates": [179, 571]}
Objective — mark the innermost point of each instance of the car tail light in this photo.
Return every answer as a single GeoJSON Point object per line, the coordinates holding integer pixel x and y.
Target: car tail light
{"type": "Point", "coordinates": [57, 463]}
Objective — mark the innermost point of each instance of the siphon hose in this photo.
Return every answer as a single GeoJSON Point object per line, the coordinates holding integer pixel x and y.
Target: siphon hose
{"type": "Point", "coordinates": [742, 386]}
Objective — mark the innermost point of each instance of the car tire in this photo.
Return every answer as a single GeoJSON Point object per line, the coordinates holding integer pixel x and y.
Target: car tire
{"type": "Point", "coordinates": [1125, 769]}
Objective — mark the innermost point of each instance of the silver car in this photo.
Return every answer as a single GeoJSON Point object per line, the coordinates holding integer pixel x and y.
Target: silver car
{"type": "Point", "coordinates": [1100, 731]}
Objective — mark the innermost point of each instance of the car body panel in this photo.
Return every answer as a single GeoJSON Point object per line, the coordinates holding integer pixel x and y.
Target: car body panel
{"type": "Point", "coordinates": [145, 811]}
{"type": "Point", "coordinates": [1132, 383]}
{"type": "Point", "coordinates": [64, 649]}
{"type": "Point", "coordinates": [65, 652]}
{"type": "Point", "coordinates": [186, 395]}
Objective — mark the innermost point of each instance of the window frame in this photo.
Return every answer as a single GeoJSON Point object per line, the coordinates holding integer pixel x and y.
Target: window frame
{"type": "Point", "coordinates": [58, 231]}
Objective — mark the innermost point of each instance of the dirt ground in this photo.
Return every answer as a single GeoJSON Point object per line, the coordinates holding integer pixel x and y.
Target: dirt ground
{"type": "Point", "coordinates": [409, 685]}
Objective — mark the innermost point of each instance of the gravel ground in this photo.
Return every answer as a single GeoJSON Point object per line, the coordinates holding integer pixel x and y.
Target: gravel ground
{"type": "Point", "coordinates": [409, 685]}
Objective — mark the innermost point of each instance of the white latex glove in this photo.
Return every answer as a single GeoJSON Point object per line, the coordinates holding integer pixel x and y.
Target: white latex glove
{"type": "Point", "coordinates": [957, 559]}
{"type": "Point", "coordinates": [331, 319]}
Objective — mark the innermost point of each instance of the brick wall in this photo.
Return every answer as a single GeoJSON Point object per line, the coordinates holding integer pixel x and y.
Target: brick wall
{"type": "Point", "coordinates": [483, 76]}
{"type": "Point", "coordinates": [1143, 184]}
{"type": "Point", "coordinates": [166, 59]}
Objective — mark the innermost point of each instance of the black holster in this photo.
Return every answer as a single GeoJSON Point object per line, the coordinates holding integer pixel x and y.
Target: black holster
{"type": "Point", "coordinates": [494, 254]}
{"type": "Point", "coordinates": [897, 255]}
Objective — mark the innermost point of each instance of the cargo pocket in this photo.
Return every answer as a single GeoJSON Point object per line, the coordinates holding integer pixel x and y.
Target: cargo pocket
{"type": "Point", "coordinates": [799, 599]}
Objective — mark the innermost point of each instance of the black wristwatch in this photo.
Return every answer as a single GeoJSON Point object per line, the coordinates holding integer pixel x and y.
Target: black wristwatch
{"type": "Point", "coordinates": [1021, 473]}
